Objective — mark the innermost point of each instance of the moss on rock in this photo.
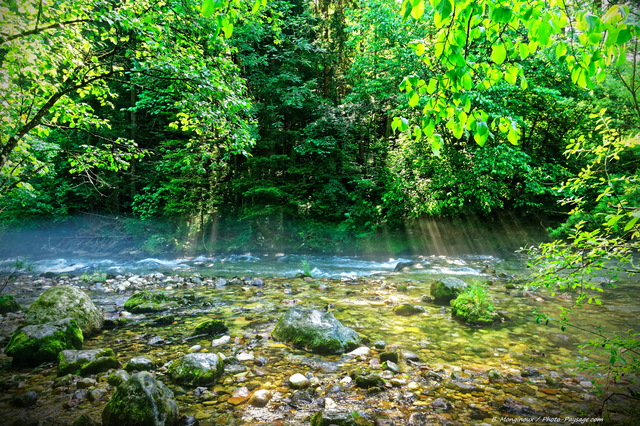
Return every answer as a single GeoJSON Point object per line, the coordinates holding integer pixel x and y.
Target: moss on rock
{"type": "Point", "coordinates": [447, 288]}
{"type": "Point", "coordinates": [8, 304]}
{"type": "Point", "coordinates": [213, 327]}
{"type": "Point", "coordinates": [35, 344]}
{"type": "Point", "coordinates": [141, 400]}
{"type": "Point", "coordinates": [66, 301]}
{"type": "Point", "coordinates": [196, 369]}
{"type": "Point", "coordinates": [86, 362]}
{"type": "Point", "coordinates": [149, 301]}
{"type": "Point", "coordinates": [316, 331]}
{"type": "Point", "coordinates": [473, 307]}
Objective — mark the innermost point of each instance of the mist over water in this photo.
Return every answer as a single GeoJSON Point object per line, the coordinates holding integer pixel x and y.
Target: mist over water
{"type": "Point", "coordinates": [459, 246]}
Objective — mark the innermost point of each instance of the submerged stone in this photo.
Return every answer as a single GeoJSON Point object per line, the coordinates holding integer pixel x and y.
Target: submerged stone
{"type": "Point", "coordinates": [213, 327]}
{"type": "Point", "coordinates": [447, 288]}
{"type": "Point", "coordinates": [334, 417]}
{"type": "Point", "coordinates": [66, 301]}
{"type": "Point", "coordinates": [86, 362]}
{"type": "Point", "coordinates": [196, 369]}
{"type": "Point", "coordinates": [140, 363]}
{"type": "Point", "coordinates": [149, 301]}
{"type": "Point", "coordinates": [406, 309]}
{"type": "Point", "coordinates": [35, 344]}
{"type": "Point", "coordinates": [315, 331]}
{"type": "Point", "coordinates": [141, 400]}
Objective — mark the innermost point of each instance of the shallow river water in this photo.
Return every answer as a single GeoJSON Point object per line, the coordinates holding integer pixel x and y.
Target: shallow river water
{"type": "Point", "coordinates": [515, 371]}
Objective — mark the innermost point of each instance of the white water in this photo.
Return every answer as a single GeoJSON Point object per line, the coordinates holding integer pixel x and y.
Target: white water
{"type": "Point", "coordinates": [281, 265]}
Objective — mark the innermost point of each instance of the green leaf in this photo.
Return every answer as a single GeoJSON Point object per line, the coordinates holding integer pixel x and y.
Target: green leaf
{"type": "Point", "coordinates": [444, 8]}
{"type": "Point", "coordinates": [418, 9]}
{"type": "Point", "coordinates": [631, 223]}
{"type": "Point", "coordinates": [498, 53]}
{"type": "Point", "coordinates": [502, 14]}
{"type": "Point", "coordinates": [414, 99]}
{"type": "Point", "coordinates": [436, 144]}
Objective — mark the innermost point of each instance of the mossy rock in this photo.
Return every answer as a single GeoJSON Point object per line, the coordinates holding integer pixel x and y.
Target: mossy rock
{"type": "Point", "coordinates": [212, 327]}
{"type": "Point", "coordinates": [8, 304]}
{"type": "Point", "coordinates": [367, 381]}
{"type": "Point", "coordinates": [196, 369]}
{"type": "Point", "coordinates": [315, 331]}
{"type": "Point", "coordinates": [35, 344]}
{"type": "Point", "coordinates": [141, 400]}
{"type": "Point", "coordinates": [86, 362]}
{"type": "Point", "coordinates": [407, 309]}
{"type": "Point", "coordinates": [447, 288]}
{"type": "Point", "coordinates": [149, 301]}
{"type": "Point", "coordinates": [473, 307]}
{"type": "Point", "coordinates": [66, 301]}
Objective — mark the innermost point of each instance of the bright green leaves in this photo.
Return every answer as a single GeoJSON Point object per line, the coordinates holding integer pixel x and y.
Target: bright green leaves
{"type": "Point", "coordinates": [227, 12]}
{"type": "Point", "coordinates": [443, 10]}
{"type": "Point", "coordinates": [498, 53]}
{"type": "Point", "coordinates": [413, 8]}
{"type": "Point", "coordinates": [479, 45]}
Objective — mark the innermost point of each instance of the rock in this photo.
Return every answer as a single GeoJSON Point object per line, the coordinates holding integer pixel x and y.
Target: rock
{"type": "Point", "coordinates": [260, 398]}
{"type": "Point", "coordinates": [441, 404]}
{"type": "Point", "coordinates": [66, 301]}
{"type": "Point", "coordinates": [298, 381]}
{"type": "Point", "coordinates": [362, 351]}
{"type": "Point", "coordinates": [118, 377]}
{"type": "Point", "coordinates": [389, 356]}
{"type": "Point", "coordinates": [149, 301]}
{"type": "Point", "coordinates": [335, 417]}
{"type": "Point", "coordinates": [315, 331]}
{"type": "Point", "coordinates": [409, 356]}
{"type": "Point", "coordinates": [474, 308]}
{"type": "Point", "coordinates": [35, 344]}
{"type": "Point", "coordinates": [86, 362]}
{"type": "Point", "coordinates": [513, 406]}
{"type": "Point", "coordinates": [530, 372]}
{"type": "Point", "coordinates": [213, 327]}
{"type": "Point", "coordinates": [221, 341]}
{"type": "Point", "coordinates": [406, 310]}
{"type": "Point", "coordinates": [245, 356]}
{"type": "Point", "coordinates": [141, 400]}
{"type": "Point", "coordinates": [380, 344]}
{"type": "Point", "coordinates": [401, 266]}
{"type": "Point", "coordinates": [370, 380]}
{"type": "Point", "coordinates": [8, 304]}
{"type": "Point", "coordinates": [140, 363]}
{"type": "Point", "coordinates": [446, 289]}
{"type": "Point", "coordinates": [391, 366]}
{"type": "Point", "coordinates": [85, 420]}
{"type": "Point", "coordinates": [197, 369]}
{"type": "Point", "coordinates": [463, 387]}
{"type": "Point", "coordinates": [26, 399]}
{"type": "Point", "coordinates": [195, 348]}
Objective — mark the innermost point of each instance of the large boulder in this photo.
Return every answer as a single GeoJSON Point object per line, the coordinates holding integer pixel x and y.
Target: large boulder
{"type": "Point", "coordinates": [315, 331]}
{"type": "Point", "coordinates": [86, 362]}
{"type": "Point", "coordinates": [447, 288]}
{"type": "Point", "coordinates": [141, 400]}
{"type": "Point", "coordinates": [66, 301]}
{"type": "Point", "coordinates": [35, 344]}
{"type": "Point", "coordinates": [196, 369]}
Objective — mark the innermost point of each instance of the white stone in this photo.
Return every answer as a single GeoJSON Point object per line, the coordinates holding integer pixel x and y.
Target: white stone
{"type": "Point", "coordinates": [221, 341]}
{"type": "Point", "coordinates": [298, 381]}
{"type": "Point", "coordinates": [245, 356]}
{"type": "Point", "coordinates": [195, 348]}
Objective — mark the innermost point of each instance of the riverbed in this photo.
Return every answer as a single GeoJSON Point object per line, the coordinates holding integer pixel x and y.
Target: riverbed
{"type": "Point", "coordinates": [451, 373]}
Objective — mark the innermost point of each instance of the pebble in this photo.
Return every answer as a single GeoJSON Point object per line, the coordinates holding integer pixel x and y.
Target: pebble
{"type": "Point", "coordinates": [298, 381]}
{"type": "Point", "coordinates": [413, 386]}
{"type": "Point", "coordinates": [195, 348]}
{"type": "Point", "coordinates": [260, 398]}
{"type": "Point", "coordinates": [245, 356]}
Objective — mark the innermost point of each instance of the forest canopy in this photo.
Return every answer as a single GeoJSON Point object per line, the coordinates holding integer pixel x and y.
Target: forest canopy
{"type": "Point", "coordinates": [310, 123]}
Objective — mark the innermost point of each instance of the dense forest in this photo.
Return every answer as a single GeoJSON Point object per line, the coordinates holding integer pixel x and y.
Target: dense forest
{"type": "Point", "coordinates": [312, 123]}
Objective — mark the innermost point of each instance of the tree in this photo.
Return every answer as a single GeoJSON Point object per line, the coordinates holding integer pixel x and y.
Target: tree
{"type": "Point", "coordinates": [477, 45]}
{"type": "Point", "coordinates": [62, 62]}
